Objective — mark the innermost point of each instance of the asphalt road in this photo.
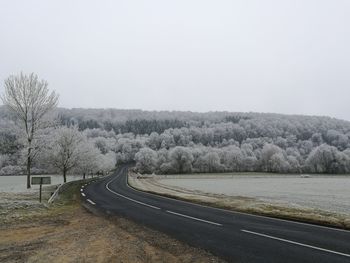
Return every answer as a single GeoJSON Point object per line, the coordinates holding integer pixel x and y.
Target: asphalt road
{"type": "Point", "coordinates": [236, 237]}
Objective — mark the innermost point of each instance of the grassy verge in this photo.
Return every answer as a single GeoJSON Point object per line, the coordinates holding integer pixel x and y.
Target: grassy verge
{"type": "Point", "coordinates": [66, 232]}
{"type": "Point", "coordinates": [242, 204]}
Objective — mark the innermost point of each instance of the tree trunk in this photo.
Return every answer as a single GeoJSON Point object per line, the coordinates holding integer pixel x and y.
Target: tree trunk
{"type": "Point", "coordinates": [84, 175]}
{"type": "Point", "coordinates": [29, 164]}
{"type": "Point", "coordinates": [64, 175]}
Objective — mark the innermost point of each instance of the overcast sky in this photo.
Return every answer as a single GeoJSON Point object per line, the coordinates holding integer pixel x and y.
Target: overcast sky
{"type": "Point", "coordinates": [265, 56]}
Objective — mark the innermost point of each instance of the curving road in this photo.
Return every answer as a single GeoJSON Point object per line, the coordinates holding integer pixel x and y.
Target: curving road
{"type": "Point", "coordinates": [236, 237]}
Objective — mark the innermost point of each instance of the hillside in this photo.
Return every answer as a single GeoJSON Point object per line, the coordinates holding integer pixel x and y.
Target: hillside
{"type": "Point", "coordinates": [186, 142]}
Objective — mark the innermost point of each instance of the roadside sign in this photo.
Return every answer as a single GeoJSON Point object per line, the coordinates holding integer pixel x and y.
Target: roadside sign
{"type": "Point", "coordinates": [41, 180]}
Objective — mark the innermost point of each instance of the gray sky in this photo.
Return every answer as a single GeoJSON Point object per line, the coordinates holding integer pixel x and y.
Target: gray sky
{"type": "Point", "coordinates": [266, 56]}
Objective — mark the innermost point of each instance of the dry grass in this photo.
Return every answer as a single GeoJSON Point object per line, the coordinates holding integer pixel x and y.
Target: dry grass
{"type": "Point", "coordinates": [66, 232]}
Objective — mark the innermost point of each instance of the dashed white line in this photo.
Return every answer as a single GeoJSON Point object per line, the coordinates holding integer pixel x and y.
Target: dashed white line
{"type": "Point", "coordinates": [91, 202]}
{"type": "Point", "coordinates": [168, 211]}
{"type": "Point", "coordinates": [81, 190]}
{"type": "Point", "coordinates": [83, 194]}
{"type": "Point", "coordinates": [128, 198]}
{"type": "Point", "coordinates": [194, 218]}
{"type": "Point", "coordinates": [239, 213]}
{"type": "Point", "coordinates": [296, 243]}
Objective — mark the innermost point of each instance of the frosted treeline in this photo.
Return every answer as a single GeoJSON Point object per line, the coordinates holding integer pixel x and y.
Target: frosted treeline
{"type": "Point", "coordinates": [55, 149]}
{"type": "Point", "coordinates": [220, 141]}
{"type": "Point", "coordinates": [187, 142]}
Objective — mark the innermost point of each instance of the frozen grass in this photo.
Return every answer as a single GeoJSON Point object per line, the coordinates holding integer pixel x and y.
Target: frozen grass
{"type": "Point", "coordinates": [17, 184]}
{"type": "Point", "coordinates": [17, 202]}
{"type": "Point", "coordinates": [212, 193]}
{"type": "Point", "coordinates": [330, 193]}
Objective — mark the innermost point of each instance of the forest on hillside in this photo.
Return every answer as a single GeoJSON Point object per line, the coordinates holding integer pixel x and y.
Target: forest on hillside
{"type": "Point", "coordinates": [186, 142]}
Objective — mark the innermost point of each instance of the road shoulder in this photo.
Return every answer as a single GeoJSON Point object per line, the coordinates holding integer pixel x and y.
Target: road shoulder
{"type": "Point", "coordinates": [66, 232]}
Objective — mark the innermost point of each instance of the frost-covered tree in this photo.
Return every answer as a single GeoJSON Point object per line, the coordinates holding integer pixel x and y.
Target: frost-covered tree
{"type": "Point", "coordinates": [236, 141]}
{"type": "Point", "coordinates": [234, 159]}
{"type": "Point", "coordinates": [4, 160]}
{"type": "Point", "coordinates": [211, 163]}
{"type": "Point", "coordinates": [67, 150]}
{"type": "Point", "coordinates": [181, 159]}
{"type": "Point", "coordinates": [327, 159]}
{"type": "Point", "coordinates": [270, 155]}
{"type": "Point", "coordinates": [154, 141]}
{"type": "Point", "coordinates": [107, 161]}
{"type": "Point", "coordinates": [31, 101]}
{"type": "Point", "coordinates": [279, 163]}
{"type": "Point", "coordinates": [146, 160]}
{"type": "Point", "coordinates": [88, 160]}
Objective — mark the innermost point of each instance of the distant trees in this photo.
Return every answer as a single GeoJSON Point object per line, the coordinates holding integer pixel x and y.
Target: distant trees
{"type": "Point", "coordinates": [107, 162]}
{"type": "Point", "coordinates": [181, 159]}
{"type": "Point", "coordinates": [65, 151]}
{"type": "Point", "coordinates": [8, 142]}
{"type": "Point", "coordinates": [210, 163]}
{"type": "Point", "coordinates": [219, 147]}
{"type": "Point", "coordinates": [146, 160]}
{"type": "Point", "coordinates": [272, 158]}
{"type": "Point", "coordinates": [234, 159]}
{"type": "Point", "coordinates": [89, 159]}
{"type": "Point", "coordinates": [30, 100]}
{"type": "Point", "coordinates": [70, 150]}
{"type": "Point", "coordinates": [327, 159]}
{"type": "Point", "coordinates": [187, 142]}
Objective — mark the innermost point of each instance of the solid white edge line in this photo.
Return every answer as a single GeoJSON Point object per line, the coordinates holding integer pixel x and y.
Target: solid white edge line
{"type": "Point", "coordinates": [296, 243]}
{"type": "Point", "coordinates": [194, 218]}
{"type": "Point", "coordinates": [240, 213]}
{"type": "Point", "coordinates": [83, 194]}
{"type": "Point", "coordinates": [91, 202]}
{"type": "Point", "coordinates": [128, 198]}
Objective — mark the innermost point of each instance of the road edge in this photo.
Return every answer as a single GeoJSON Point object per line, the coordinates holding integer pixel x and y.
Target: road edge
{"type": "Point", "coordinates": [279, 217]}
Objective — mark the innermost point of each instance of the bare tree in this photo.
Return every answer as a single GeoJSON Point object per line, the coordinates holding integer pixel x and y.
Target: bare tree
{"type": "Point", "coordinates": [64, 152]}
{"type": "Point", "coordinates": [70, 150]}
{"type": "Point", "coordinates": [30, 100]}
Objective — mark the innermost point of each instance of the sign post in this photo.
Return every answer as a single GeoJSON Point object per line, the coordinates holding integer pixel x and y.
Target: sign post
{"type": "Point", "coordinates": [41, 180]}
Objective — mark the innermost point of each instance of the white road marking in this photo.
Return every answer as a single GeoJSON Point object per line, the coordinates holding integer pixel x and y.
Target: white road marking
{"type": "Point", "coordinates": [194, 218]}
{"type": "Point", "coordinates": [91, 202]}
{"type": "Point", "coordinates": [128, 198]}
{"type": "Point", "coordinates": [83, 194]}
{"type": "Point", "coordinates": [81, 190]}
{"type": "Point", "coordinates": [239, 213]}
{"type": "Point", "coordinates": [296, 243]}
{"type": "Point", "coordinates": [233, 212]}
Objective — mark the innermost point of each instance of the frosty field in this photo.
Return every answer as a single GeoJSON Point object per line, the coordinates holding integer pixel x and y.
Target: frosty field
{"type": "Point", "coordinates": [18, 183]}
{"type": "Point", "coordinates": [330, 193]}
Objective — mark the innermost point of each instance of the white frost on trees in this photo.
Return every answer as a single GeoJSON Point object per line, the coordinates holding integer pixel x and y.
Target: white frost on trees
{"type": "Point", "coordinates": [146, 160]}
{"type": "Point", "coordinates": [181, 159]}
{"type": "Point", "coordinates": [31, 101]}
{"type": "Point", "coordinates": [70, 150]}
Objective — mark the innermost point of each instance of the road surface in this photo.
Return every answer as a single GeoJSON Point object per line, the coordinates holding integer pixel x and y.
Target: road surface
{"type": "Point", "coordinates": [233, 236]}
